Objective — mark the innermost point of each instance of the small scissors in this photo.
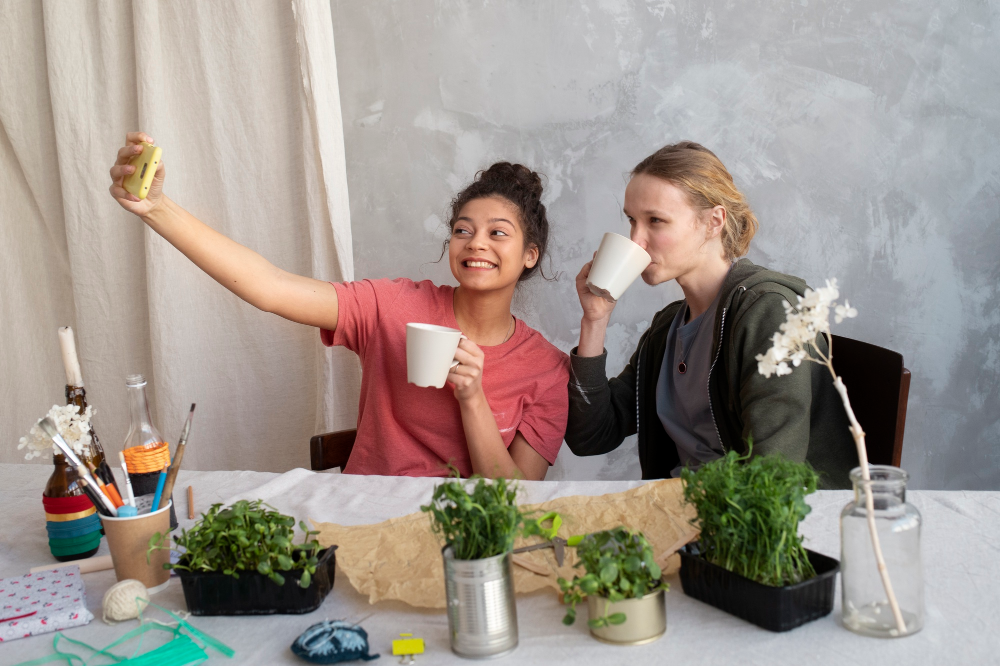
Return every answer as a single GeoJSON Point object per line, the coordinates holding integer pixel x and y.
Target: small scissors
{"type": "Point", "coordinates": [556, 543]}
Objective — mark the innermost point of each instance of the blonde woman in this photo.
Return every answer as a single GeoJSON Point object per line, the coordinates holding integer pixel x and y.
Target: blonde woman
{"type": "Point", "coordinates": [691, 389]}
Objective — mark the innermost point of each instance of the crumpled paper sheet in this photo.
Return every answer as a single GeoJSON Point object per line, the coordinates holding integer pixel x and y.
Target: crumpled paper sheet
{"type": "Point", "coordinates": [401, 558]}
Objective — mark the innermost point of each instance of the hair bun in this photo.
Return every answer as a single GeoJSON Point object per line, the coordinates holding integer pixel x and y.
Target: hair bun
{"type": "Point", "coordinates": [505, 172]}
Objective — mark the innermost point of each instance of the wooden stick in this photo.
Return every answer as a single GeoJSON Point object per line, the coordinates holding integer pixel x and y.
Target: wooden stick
{"type": "Point", "coordinates": [190, 502]}
{"type": "Point", "coordinates": [86, 566]}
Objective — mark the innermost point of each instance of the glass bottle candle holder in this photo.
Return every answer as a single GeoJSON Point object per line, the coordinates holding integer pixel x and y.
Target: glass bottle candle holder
{"type": "Point", "coordinates": [865, 605]}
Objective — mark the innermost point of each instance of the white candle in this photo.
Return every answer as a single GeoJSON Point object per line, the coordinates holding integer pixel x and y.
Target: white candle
{"type": "Point", "coordinates": [74, 377]}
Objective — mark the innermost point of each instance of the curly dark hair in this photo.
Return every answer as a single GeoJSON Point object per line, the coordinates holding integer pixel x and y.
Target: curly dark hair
{"type": "Point", "coordinates": [523, 188]}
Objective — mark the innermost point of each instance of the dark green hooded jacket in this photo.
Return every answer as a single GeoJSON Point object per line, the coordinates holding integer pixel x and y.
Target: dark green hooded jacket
{"type": "Point", "coordinates": [799, 415]}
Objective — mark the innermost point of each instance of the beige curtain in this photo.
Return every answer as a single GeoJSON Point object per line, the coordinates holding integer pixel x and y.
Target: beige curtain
{"type": "Point", "coordinates": [243, 99]}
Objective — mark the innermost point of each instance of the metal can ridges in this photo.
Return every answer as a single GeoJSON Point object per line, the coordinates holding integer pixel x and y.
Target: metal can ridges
{"type": "Point", "coordinates": [482, 614]}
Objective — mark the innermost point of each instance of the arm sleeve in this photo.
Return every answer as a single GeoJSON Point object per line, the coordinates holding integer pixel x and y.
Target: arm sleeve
{"type": "Point", "coordinates": [775, 411]}
{"type": "Point", "coordinates": [360, 306]}
{"type": "Point", "coordinates": [543, 421]}
{"type": "Point", "coordinates": [602, 411]}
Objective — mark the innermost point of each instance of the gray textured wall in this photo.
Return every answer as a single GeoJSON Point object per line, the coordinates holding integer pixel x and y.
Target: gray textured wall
{"type": "Point", "coordinates": [864, 133]}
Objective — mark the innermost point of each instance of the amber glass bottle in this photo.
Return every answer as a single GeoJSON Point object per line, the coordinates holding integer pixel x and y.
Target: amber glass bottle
{"type": "Point", "coordinates": [76, 395]}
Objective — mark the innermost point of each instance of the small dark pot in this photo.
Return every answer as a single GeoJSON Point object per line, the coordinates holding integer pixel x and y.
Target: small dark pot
{"type": "Point", "coordinates": [773, 608]}
{"type": "Point", "coordinates": [215, 593]}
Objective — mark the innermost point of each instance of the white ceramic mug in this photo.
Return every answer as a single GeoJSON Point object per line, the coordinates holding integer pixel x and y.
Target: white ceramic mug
{"type": "Point", "coordinates": [618, 263]}
{"type": "Point", "coordinates": [430, 353]}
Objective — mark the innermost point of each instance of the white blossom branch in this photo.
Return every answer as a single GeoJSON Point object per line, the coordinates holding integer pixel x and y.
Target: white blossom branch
{"type": "Point", "coordinates": [796, 341]}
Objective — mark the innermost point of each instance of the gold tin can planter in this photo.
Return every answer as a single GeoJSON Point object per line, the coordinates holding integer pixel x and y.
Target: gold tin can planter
{"type": "Point", "coordinates": [645, 619]}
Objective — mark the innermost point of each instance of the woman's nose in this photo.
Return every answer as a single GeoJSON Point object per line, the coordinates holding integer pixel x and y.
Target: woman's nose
{"type": "Point", "coordinates": [638, 236]}
{"type": "Point", "coordinates": [479, 240]}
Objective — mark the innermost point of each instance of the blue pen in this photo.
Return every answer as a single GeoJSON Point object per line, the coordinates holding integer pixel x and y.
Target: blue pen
{"type": "Point", "coordinates": [159, 488]}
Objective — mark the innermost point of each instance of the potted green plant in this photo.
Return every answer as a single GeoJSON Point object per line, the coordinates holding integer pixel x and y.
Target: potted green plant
{"type": "Point", "coordinates": [749, 560]}
{"type": "Point", "coordinates": [623, 587]}
{"type": "Point", "coordinates": [478, 521]}
{"type": "Point", "coordinates": [240, 560]}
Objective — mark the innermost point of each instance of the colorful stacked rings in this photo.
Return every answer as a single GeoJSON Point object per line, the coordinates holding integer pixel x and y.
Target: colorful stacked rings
{"type": "Point", "coordinates": [74, 527]}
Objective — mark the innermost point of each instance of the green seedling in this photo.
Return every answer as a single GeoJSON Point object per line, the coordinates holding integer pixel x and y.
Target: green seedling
{"type": "Point", "coordinates": [619, 565]}
{"type": "Point", "coordinates": [749, 511]}
{"type": "Point", "coordinates": [481, 523]}
{"type": "Point", "coordinates": [245, 537]}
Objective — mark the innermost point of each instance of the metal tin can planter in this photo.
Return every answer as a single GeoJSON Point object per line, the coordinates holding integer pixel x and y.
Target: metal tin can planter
{"type": "Point", "coordinates": [645, 618]}
{"type": "Point", "coordinates": [482, 615]}
{"type": "Point", "coordinates": [773, 608]}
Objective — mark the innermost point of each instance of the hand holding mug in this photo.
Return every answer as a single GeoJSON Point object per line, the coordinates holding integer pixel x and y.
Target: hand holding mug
{"type": "Point", "coordinates": [467, 375]}
{"type": "Point", "coordinates": [595, 308]}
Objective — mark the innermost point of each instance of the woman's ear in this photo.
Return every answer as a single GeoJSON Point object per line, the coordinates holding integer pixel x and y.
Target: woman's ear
{"type": "Point", "coordinates": [531, 256]}
{"type": "Point", "coordinates": [716, 221]}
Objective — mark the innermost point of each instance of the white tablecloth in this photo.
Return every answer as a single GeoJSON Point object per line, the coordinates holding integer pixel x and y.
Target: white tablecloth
{"type": "Point", "coordinates": [961, 544]}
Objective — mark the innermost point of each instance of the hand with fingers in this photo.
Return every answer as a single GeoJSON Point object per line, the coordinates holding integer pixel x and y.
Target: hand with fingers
{"type": "Point", "coordinates": [122, 169]}
{"type": "Point", "coordinates": [467, 376]}
{"type": "Point", "coordinates": [595, 308]}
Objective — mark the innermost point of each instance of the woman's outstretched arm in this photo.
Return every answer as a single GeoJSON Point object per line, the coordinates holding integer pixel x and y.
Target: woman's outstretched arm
{"type": "Point", "coordinates": [239, 269]}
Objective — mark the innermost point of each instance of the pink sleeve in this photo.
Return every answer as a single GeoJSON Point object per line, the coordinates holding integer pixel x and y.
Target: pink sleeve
{"type": "Point", "coordinates": [543, 422]}
{"type": "Point", "coordinates": [360, 305]}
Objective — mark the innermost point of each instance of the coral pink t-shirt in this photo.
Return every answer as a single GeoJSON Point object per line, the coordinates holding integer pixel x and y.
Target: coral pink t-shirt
{"type": "Point", "coordinates": [411, 431]}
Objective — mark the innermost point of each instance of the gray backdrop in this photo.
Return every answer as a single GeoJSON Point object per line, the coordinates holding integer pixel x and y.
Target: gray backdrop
{"type": "Point", "coordinates": [864, 134]}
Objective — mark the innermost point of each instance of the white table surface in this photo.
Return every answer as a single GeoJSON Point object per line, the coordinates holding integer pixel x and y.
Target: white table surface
{"type": "Point", "coordinates": [961, 543]}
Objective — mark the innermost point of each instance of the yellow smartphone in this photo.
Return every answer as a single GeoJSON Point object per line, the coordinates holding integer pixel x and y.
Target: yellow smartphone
{"type": "Point", "coordinates": [145, 163]}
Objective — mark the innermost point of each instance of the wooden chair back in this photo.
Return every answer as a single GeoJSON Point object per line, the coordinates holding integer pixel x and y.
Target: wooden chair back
{"type": "Point", "coordinates": [331, 449]}
{"type": "Point", "coordinates": [879, 387]}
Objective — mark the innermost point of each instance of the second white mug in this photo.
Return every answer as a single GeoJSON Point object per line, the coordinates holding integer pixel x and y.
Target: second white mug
{"type": "Point", "coordinates": [430, 353]}
{"type": "Point", "coordinates": [619, 261]}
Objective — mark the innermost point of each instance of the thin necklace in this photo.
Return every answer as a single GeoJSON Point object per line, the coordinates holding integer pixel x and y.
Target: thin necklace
{"type": "Point", "coordinates": [510, 329]}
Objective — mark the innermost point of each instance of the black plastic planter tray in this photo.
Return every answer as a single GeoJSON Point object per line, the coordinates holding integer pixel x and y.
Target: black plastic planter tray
{"type": "Point", "coordinates": [773, 608]}
{"type": "Point", "coordinates": [213, 593]}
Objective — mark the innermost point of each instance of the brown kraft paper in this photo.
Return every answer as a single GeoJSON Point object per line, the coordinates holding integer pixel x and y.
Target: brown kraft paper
{"type": "Point", "coordinates": [400, 558]}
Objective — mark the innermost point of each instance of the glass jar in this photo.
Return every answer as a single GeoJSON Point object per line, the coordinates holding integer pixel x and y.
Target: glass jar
{"type": "Point", "coordinates": [865, 606]}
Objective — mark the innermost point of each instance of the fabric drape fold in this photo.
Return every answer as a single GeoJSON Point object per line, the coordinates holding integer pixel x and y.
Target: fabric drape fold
{"type": "Point", "coordinates": [243, 99]}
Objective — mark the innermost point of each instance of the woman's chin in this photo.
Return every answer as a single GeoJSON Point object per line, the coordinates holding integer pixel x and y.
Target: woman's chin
{"type": "Point", "coordinates": [653, 277]}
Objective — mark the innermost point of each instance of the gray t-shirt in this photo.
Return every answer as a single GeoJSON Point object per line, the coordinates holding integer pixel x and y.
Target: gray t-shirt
{"type": "Point", "coordinates": [682, 401]}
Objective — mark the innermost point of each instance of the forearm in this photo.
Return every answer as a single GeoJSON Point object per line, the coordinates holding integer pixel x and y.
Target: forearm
{"type": "Point", "coordinates": [592, 333]}
{"type": "Point", "coordinates": [489, 454]}
{"type": "Point", "coordinates": [235, 267]}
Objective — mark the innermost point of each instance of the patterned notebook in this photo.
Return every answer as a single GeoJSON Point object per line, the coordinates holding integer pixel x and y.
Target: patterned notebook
{"type": "Point", "coordinates": [42, 602]}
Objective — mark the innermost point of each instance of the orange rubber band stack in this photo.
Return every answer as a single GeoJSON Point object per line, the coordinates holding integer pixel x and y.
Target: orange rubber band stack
{"type": "Point", "coordinates": [146, 460]}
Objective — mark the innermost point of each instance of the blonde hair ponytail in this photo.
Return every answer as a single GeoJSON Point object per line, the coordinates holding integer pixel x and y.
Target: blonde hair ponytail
{"type": "Point", "coordinates": [696, 170]}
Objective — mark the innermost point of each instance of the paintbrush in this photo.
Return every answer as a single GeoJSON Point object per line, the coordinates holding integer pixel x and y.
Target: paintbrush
{"type": "Point", "coordinates": [175, 464]}
{"type": "Point", "coordinates": [92, 488]}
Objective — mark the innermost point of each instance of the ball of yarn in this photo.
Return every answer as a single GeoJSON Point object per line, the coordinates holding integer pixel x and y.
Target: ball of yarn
{"type": "Point", "coordinates": [123, 601]}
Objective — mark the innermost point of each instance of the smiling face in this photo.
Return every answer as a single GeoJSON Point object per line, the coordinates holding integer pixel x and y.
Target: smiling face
{"type": "Point", "coordinates": [678, 237]}
{"type": "Point", "coordinates": [487, 249]}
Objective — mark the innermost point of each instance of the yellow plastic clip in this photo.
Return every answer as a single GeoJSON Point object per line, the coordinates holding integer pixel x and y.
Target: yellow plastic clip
{"type": "Point", "coordinates": [406, 647]}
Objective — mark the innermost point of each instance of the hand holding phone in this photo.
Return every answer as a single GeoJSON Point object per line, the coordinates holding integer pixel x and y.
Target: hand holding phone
{"type": "Point", "coordinates": [137, 183]}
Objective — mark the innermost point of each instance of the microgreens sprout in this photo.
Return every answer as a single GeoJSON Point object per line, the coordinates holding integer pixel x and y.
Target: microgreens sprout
{"type": "Point", "coordinates": [749, 511]}
{"type": "Point", "coordinates": [245, 537]}
{"type": "Point", "coordinates": [619, 565]}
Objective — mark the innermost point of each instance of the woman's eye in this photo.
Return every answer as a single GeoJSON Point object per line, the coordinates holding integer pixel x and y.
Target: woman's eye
{"type": "Point", "coordinates": [500, 232]}
{"type": "Point", "coordinates": [458, 231]}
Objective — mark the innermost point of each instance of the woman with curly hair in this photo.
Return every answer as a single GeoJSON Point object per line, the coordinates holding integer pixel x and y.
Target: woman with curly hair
{"type": "Point", "coordinates": [505, 412]}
